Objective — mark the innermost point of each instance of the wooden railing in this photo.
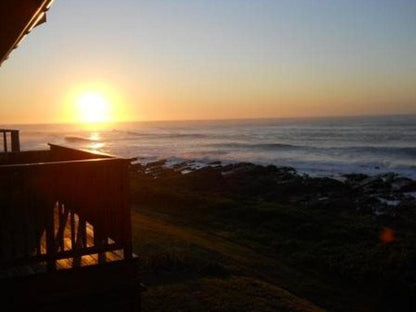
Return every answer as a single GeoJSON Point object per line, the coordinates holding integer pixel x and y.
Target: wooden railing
{"type": "Point", "coordinates": [41, 202]}
{"type": "Point", "coordinates": [56, 153]}
{"type": "Point", "coordinates": [14, 140]}
{"type": "Point", "coordinates": [26, 157]}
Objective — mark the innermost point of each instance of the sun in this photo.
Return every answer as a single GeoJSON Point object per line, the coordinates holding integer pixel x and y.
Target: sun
{"type": "Point", "coordinates": [94, 107]}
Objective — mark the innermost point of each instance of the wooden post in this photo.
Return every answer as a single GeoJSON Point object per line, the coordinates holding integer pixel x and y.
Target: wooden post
{"type": "Point", "coordinates": [50, 237]}
{"type": "Point", "coordinates": [82, 233]}
{"type": "Point", "coordinates": [62, 218]}
{"type": "Point", "coordinates": [15, 140]}
{"type": "Point", "coordinates": [5, 141]}
{"type": "Point", "coordinates": [99, 243]}
{"type": "Point", "coordinates": [73, 245]}
{"type": "Point", "coordinates": [125, 202]}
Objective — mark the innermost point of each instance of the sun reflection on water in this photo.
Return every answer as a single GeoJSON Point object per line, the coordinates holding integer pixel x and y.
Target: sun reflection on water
{"type": "Point", "coordinates": [96, 146]}
{"type": "Point", "coordinates": [94, 136]}
{"type": "Point", "coordinates": [96, 143]}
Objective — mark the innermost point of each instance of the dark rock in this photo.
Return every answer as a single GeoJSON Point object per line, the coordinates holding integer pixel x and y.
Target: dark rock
{"type": "Point", "coordinates": [180, 165]}
{"type": "Point", "coordinates": [384, 194]}
{"type": "Point", "coordinates": [370, 181]}
{"type": "Point", "coordinates": [355, 177]}
{"type": "Point", "coordinates": [373, 185]}
{"type": "Point", "coordinates": [323, 186]}
{"type": "Point", "coordinates": [137, 168]}
{"type": "Point", "coordinates": [184, 167]}
{"type": "Point", "coordinates": [239, 168]}
{"type": "Point", "coordinates": [214, 163]}
{"type": "Point", "coordinates": [158, 163]}
{"type": "Point", "coordinates": [403, 185]}
{"type": "Point", "coordinates": [287, 170]}
{"type": "Point", "coordinates": [388, 177]}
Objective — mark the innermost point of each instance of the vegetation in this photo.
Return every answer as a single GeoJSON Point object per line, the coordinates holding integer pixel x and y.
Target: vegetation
{"type": "Point", "coordinates": [249, 244]}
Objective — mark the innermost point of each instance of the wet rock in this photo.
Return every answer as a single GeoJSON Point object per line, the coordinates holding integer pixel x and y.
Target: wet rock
{"type": "Point", "coordinates": [155, 168]}
{"type": "Point", "coordinates": [137, 168]}
{"type": "Point", "coordinates": [373, 185]}
{"type": "Point", "coordinates": [239, 168]}
{"type": "Point", "coordinates": [285, 173]}
{"type": "Point", "coordinates": [355, 177]}
{"type": "Point", "coordinates": [389, 201]}
{"type": "Point", "coordinates": [270, 181]}
{"type": "Point", "coordinates": [214, 163]}
{"type": "Point", "coordinates": [410, 196]}
{"type": "Point", "coordinates": [370, 182]}
{"type": "Point", "coordinates": [381, 210]}
{"type": "Point", "coordinates": [384, 194]}
{"type": "Point", "coordinates": [403, 185]}
{"type": "Point", "coordinates": [184, 167]}
{"type": "Point", "coordinates": [388, 177]}
{"type": "Point", "coordinates": [323, 187]}
{"type": "Point", "coordinates": [180, 165]}
{"type": "Point", "coordinates": [158, 163]}
{"type": "Point", "coordinates": [386, 207]}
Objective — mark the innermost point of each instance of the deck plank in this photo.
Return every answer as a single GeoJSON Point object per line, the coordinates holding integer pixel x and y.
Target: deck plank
{"type": "Point", "coordinates": [70, 262]}
{"type": "Point", "coordinates": [86, 260]}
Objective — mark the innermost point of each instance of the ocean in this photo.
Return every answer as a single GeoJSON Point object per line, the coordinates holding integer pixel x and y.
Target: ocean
{"type": "Point", "coordinates": [314, 146]}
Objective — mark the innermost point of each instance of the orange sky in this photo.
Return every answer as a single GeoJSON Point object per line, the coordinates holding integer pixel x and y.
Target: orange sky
{"type": "Point", "coordinates": [164, 60]}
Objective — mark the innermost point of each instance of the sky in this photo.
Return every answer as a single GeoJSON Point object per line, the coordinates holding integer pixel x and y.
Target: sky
{"type": "Point", "coordinates": [215, 59]}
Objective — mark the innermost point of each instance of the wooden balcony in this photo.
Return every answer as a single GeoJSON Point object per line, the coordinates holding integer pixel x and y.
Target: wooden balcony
{"type": "Point", "coordinates": [65, 224]}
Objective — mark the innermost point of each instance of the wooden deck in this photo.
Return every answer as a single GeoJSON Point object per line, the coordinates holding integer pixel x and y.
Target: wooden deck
{"type": "Point", "coordinates": [67, 213]}
{"type": "Point", "coordinates": [81, 261]}
{"type": "Point", "coordinates": [68, 245]}
{"type": "Point", "coordinates": [92, 259]}
{"type": "Point", "coordinates": [62, 209]}
{"type": "Point", "coordinates": [65, 232]}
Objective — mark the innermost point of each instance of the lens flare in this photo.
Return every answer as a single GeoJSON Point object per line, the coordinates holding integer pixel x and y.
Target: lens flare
{"type": "Point", "coordinates": [387, 235]}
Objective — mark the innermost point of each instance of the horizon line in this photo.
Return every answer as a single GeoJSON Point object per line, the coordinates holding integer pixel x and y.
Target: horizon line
{"type": "Point", "coordinates": [213, 119]}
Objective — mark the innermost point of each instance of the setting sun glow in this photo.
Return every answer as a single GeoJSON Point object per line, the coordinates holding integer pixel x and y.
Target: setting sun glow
{"type": "Point", "coordinates": [94, 107]}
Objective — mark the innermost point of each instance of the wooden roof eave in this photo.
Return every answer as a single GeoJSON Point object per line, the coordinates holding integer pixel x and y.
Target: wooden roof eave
{"type": "Point", "coordinates": [17, 19]}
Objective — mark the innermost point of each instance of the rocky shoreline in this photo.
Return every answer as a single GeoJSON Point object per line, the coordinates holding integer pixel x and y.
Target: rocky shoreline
{"type": "Point", "coordinates": [354, 233]}
{"type": "Point", "coordinates": [383, 194]}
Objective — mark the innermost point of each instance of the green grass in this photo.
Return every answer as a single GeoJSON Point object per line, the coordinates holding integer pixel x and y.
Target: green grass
{"type": "Point", "coordinates": [188, 270]}
{"type": "Point", "coordinates": [223, 294]}
{"type": "Point", "coordinates": [195, 237]}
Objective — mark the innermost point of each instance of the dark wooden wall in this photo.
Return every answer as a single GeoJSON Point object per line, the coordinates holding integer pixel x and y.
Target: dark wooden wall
{"type": "Point", "coordinates": [96, 190]}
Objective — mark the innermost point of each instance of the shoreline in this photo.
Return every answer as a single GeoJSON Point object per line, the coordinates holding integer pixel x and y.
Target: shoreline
{"type": "Point", "coordinates": [383, 194]}
{"type": "Point", "coordinates": [175, 162]}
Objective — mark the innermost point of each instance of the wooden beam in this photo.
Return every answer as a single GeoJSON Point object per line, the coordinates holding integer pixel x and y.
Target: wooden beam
{"type": "Point", "coordinates": [17, 19]}
{"type": "Point", "coordinates": [5, 141]}
{"type": "Point", "coordinates": [15, 140]}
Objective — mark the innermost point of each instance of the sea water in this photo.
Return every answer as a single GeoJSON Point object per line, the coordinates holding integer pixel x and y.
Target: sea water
{"type": "Point", "coordinates": [315, 146]}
